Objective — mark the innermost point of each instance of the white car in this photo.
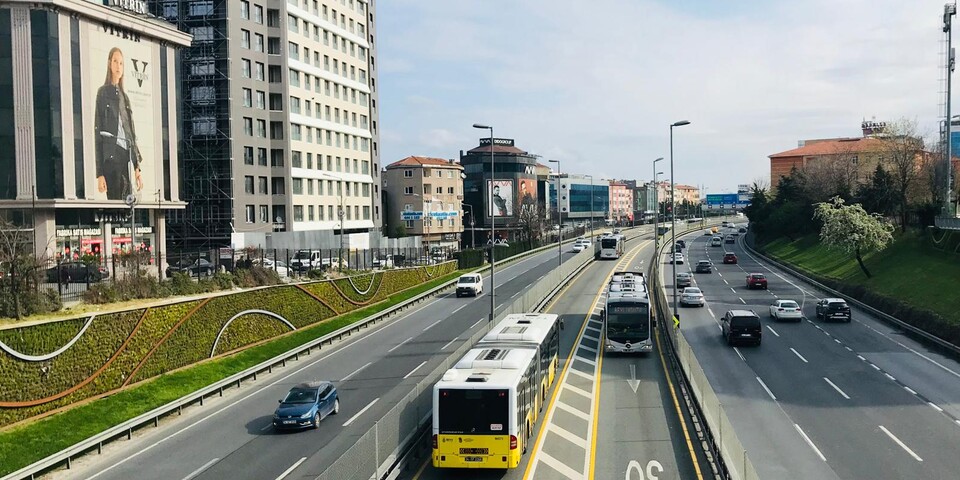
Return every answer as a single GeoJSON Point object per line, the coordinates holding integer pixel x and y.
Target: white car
{"type": "Point", "coordinates": [786, 310]}
{"type": "Point", "coordinates": [676, 258]}
{"type": "Point", "coordinates": [716, 241]}
{"type": "Point", "coordinates": [278, 266]}
{"type": "Point", "coordinates": [691, 296]}
{"type": "Point", "coordinates": [470, 284]}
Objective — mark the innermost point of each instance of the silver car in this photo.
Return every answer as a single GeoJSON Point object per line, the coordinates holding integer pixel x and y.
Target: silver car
{"type": "Point", "coordinates": [692, 296]}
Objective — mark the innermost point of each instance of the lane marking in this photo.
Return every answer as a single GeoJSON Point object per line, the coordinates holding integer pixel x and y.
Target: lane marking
{"type": "Point", "coordinates": [584, 360]}
{"type": "Point", "coordinates": [875, 367]}
{"type": "Point", "coordinates": [559, 466]}
{"type": "Point", "coordinates": [935, 407]}
{"type": "Point", "coordinates": [909, 390]}
{"type": "Point", "coordinates": [344, 379]}
{"type": "Point", "coordinates": [200, 470]}
{"type": "Point", "coordinates": [584, 375]}
{"type": "Point", "coordinates": [764, 385]}
{"type": "Point", "coordinates": [732, 290]}
{"type": "Point", "coordinates": [415, 369]}
{"type": "Point", "coordinates": [478, 323]}
{"type": "Point", "coordinates": [292, 467]}
{"type": "Point", "coordinates": [448, 344]}
{"type": "Point", "coordinates": [399, 345]}
{"type": "Point", "coordinates": [579, 391]}
{"type": "Point", "coordinates": [835, 387]}
{"type": "Point", "coordinates": [348, 422]}
{"type": "Point", "coordinates": [433, 324]}
{"type": "Point", "coordinates": [735, 349]}
{"type": "Point", "coordinates": [589, 349]}
{"type": "Point", "coordinates": [798, 354]}
{"type": "Point", "coordinates": [591, 327]}
{"type": "Point", "coordinates": [902, 445]}
{"type": "Point", "coordinates": [570, 437]}
{"type": "Point", "coordinates": [810, 442]}
{"type": "Point", "coordinates": [741, 300]}
{"type": "Point", "coordinates": [861, 358]}
{"type": "Point", "coordinates": [772, 330]}
{"type": "Point", "coordinates": [890, 377]}
{"type": "Point", "coordinates": [573, 410]}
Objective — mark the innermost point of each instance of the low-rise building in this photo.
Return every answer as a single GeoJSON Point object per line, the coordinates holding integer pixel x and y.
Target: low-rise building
{"type": "Point", "coordinates": [424, 197]}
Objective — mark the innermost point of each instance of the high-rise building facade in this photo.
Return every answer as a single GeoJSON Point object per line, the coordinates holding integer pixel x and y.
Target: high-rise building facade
{"type": "Point", "coordinates": [88, 125]}
{"type": "Point", "coordinates": [279, 122]}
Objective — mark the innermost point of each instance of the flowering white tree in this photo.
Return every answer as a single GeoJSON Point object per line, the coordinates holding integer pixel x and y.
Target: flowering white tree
{"type": "Point", "coordinates": [851, 229]}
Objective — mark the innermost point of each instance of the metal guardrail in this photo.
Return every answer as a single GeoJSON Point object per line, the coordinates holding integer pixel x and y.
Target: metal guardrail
{"type": "Point", "coordinates": [915, 331]}
{"type": "Point", "coordinates": [125, 429]}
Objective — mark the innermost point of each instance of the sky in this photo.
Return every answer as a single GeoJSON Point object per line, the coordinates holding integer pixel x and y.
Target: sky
{"type": "Point", "coordinates": [596, 84]}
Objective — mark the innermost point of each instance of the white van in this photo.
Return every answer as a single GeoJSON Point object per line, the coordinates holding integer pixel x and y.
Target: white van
{"type": "Point", "coordinates": [470, 284]}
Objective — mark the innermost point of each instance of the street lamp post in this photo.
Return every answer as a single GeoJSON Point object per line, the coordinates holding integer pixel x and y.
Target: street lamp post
{"type": "Point", "coordinates": [673, 217]}
{"type": "Point", "coordinates": [656, 206]}
{"type": "Point", "coordinates": [493, 244]}
{"type": "Point", "coordinates": [559, 217]}
{"type": "Point", "coordinates": [340, 213]}
{"type": "Point", "coordinates": [591, 206]}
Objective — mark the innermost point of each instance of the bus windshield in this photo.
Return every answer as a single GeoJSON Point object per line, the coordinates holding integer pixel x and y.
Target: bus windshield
{"type": "Point", "coordinates": [474, 411]}
{"type": "Point", "coordinates": [608, 243]}
{"type": "Point", "coordinates": [628, 321]}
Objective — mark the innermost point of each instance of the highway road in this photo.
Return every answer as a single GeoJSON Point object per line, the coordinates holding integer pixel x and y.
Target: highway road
{"type": "Point", "coordinates": [232, 437]}
{"type": "Point", "coordinates": [822, 400]}
{"type": "Point", "coordinates": [597, 425]}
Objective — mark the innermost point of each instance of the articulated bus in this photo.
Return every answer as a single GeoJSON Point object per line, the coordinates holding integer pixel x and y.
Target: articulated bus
{"type": "Point", "coordinates": [609, 247]}
{"type": "Point", "coordinates": [626, 315]}
{"type": "Point", "coordinates": [540, 331]}
{"type": "Point", "coordinates": [484, 408]}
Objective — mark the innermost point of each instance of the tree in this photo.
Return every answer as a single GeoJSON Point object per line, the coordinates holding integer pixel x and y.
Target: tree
{"type": "Point", "coordinates": [879, 195]}
{"type": "Point", "coordinates": [400, 231]}
{"type": "Point", "coordinates": [902, 150]}
{"type": "Point", "coordinates": [851, 229]}
{"type": "Point", "coordinates": [532, 222]}
{"type": "Point", "coordinates": [22, 271]}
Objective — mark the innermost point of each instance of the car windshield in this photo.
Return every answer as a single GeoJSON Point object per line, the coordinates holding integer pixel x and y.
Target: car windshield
{"type": "Point", "coordinates": [691, 291]}
{"type": "Point", "coordinates": [301, 395]}
{"type": "Point", "coordinates": [757, 276]}
{"type": "Point", "coordinates": [467, 280]}
{"type": "Point", "coordinates": [789, 305]}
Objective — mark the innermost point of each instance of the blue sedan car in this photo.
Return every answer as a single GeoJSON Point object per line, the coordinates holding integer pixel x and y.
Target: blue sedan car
{"type": "Point", "coordinates": [306, 404]}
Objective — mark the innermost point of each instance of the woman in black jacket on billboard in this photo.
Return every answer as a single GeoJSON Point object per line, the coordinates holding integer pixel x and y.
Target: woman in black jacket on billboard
{"type": "Point", "coordinates": [117, 154]}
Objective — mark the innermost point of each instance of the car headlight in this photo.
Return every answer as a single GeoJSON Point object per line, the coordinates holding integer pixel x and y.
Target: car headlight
{"type": "Point", "coordinates": [306, 415]}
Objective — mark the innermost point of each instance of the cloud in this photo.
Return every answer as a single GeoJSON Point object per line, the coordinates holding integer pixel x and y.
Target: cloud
{"type": "Point", "coordinates": [596, 84]}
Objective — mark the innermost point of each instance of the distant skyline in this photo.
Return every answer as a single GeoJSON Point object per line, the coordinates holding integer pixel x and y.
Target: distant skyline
{"type": "Point", "coordinates": [597, 84]}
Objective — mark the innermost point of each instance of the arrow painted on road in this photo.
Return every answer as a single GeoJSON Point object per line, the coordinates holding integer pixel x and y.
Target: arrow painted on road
{"type": "Point", "coordinates": [633, 382]}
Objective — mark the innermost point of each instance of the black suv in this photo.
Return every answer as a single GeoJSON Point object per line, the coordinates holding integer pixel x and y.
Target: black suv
{"type": "Point", "coordinates": [833, 309]}
{"type": "Point", "coordinates": [704, 266]}
{"type": "Point", "coordinates": [741, 326]}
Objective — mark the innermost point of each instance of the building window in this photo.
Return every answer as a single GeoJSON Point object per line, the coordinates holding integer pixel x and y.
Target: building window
{"type": "Point", "coordinates": [310, 186]}
{"type": "Point", "coordinates": [262, 157]}
{"type": "Point", "coordinates": [262, 128]}
{"type": "Point", "coordinates": [245, 39]}
{"type": "Point", "coordinates": [204, 126]}
{"type": "Point", "coordinates": [259, 43]}
{"type": "Point", "coordinates": [293, 51]}
{"type": "Point", "coordinates": [245, 10]}
{"type": "Point", "coordinates": [278, 186]}
{"type": "Point", "coordinates": [262, 186]}
{"type": "Point", "coordinates": [258, 14]}
{"type": "Point", "coordinates": [251, 214]}
{"type": "Point", "coordinates": [260, 71]}
{"type": "Point", "coordinates": [248, 155]}
{"type": "Point", "coordinates": [248, 184]}
{"type": "Point", "coordinates": [295, 157]}
{"type": "Point", "coordinates": [449, 190]}
{"type": "Point", "coordinates": [408, 190]}
{"type": "Point", "coordinates": [199, 8]}
{"type": "Point", "coordinates": [261, 100]}
{"type": "Point", "coordinates": [366, 213]}
{"type": "Point", "coordinates": [247, 97]}
{"type": "Point", "coordinates": [439, 190]}
{"type": "Point", "coordinates": [310, 215]}
{"type": "Point", "coordinates": [408, 224]}
{"type": "Point", "coordinates": [298, 213]}
{"type": "Point", "coordinates": [295, 105]}
{"type": "Point", "coordinates": [245, 64]}
{"type": "Point", "coordinates": [297, 186]}
{"type": "Point", "coordinates": [248, 126]}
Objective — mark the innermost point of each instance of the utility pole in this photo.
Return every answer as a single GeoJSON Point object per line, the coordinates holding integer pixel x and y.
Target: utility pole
{"type": "Point", "coordinates": [949, 10]}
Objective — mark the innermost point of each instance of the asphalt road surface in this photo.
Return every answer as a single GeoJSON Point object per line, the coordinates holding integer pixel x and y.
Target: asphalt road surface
{"type": "Point", "coordinates": [822, 400]}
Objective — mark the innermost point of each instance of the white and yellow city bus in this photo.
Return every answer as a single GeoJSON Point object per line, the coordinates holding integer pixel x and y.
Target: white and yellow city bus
{"type": "Point", "coordinates": [484, 407]}
{"type": "Point", "coordinates": [540, 331]}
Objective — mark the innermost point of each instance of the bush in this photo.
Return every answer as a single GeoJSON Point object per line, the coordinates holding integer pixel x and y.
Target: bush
{"type": "Point", "coordinates": [223, 280]}
{"type": "Point", "coordinates": [255, 277]}
{"type": "Point", "coordinates": [316, 274]}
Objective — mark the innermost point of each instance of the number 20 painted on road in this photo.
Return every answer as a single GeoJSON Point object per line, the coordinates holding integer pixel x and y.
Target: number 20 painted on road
{"type": "Point", "coordinates": [652, 464]}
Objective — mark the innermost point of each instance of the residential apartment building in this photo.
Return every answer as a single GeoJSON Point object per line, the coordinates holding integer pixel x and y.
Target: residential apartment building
{"type": "Point", "coordinates": [280, 141]}
{"type": "Point", "coordinates": [425, 196]}
{"type": "Point", "coordinates": [621, 203]}
{"type": "Point", "coordinates": [74, 169]}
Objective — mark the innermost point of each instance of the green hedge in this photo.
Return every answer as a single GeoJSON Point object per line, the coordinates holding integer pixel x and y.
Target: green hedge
{"type": "Point", "coordinates": [188, 339]}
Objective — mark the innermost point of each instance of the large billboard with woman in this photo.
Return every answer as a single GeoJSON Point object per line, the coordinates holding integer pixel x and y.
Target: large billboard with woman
{"type": "Point", "coordinates": [122, 75]}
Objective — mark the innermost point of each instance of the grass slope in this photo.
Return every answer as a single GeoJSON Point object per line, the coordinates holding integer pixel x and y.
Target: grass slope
{"type": "Point", "coordinates": [911, 270]}
{"type": "Point", "coordinates": [26, 444]}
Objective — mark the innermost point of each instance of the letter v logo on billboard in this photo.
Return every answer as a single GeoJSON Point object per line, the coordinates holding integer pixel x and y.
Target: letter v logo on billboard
{"type": "Point", "coordinates": [140, 71]}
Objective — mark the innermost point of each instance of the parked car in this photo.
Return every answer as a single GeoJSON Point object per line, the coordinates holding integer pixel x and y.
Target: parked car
{"type": "Point", "coordinates": [200, 267]}
{"type": "Point", "coordinates": [385, 261]}
{"type": "Point", "coordinates": [333, 262]}
{"type": "Point", "coordinates": [786, 310]}
{"type": "Point", "coordinates": [692, 296]}
{"type": "Point", "coordinates": [306, 404]}
{"type": "Point", "coordinates": [833, 309]}
{"type": "Point", "coordinates": [730, 257]}
{"type": "Point", "coordinates": [276, 265]}
{"type": "Point", "coordinates": [684, 279]}
{"type": "Point", "coordinates": [305, 260]}
{"type": "Point", "coordinates": [741, 326]}
{"type": "Point", "coordinates": [704, 266]}
{"type": "Point", "coordinates": [76, 272]}
{"type": "Point", "coordinates": [757, 280]}
{"type": "Point", "coordinates": [470, 284]}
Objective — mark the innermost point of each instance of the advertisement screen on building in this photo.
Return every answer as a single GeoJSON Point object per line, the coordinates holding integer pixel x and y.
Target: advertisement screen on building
{"type": "Point", "coordinates": [122, 84]}
{"type": "Point", "coordinates": [527, 195]}
{"type": "Point", "coordinates": [501, 199]}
